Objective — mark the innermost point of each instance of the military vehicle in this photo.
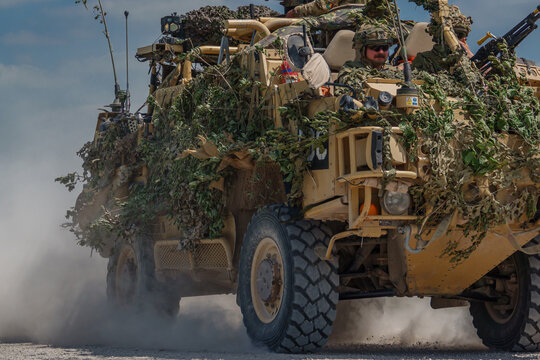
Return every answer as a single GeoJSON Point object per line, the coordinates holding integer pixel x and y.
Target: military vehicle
{"type": "Point", "coordinates": [365, 224]}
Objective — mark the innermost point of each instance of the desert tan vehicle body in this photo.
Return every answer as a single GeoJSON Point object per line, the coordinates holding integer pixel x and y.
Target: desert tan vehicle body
{"type": "Point", "coordinates": [365, 251]}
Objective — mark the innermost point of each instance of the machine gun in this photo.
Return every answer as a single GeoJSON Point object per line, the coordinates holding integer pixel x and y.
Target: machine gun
{"type": "Point", "coordinates": [513, 38]}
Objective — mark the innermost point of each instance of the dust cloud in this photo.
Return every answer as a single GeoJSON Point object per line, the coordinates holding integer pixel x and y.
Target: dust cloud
{"type": "Point", "coordinates": [407, 322]}
{"type": "Point", "coordinates": [53, 292]}
{"type": "Point", "coordinates": [64, 304]}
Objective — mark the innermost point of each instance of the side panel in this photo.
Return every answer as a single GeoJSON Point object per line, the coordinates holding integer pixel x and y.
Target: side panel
{"type": "Point", "coordinates": [430, 273]}
{"type": "Point", "coordinates": [319, 185]}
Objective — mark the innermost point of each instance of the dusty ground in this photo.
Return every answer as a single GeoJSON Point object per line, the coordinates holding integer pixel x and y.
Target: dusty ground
{"type": "Point", "coordinates": [63, 317]}
{"type": "Point", "coordinates": [211, 328]}
{"type": "Point", "coordinates": [19, 351]}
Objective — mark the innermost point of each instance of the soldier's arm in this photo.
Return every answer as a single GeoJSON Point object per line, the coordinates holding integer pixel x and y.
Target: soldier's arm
{"type": "Point", "coordinates": [465, 47]}
{"type": "Point", "coordinates": [315, 8]}
{"type": "Point", "coordinates": [422, 62]}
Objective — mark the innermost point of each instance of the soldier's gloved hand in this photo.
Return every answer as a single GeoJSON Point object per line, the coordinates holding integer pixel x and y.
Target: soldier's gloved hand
{"type": "Point", "coordinates": [347, 103]}
{"type": "Point", "coordinates": [290, 14]}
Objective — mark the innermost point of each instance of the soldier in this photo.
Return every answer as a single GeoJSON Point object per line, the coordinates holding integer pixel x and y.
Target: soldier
{"type": "Point", "coordinates": [438, 59]}
{"type": "Point", "coordinates": [320, 7]}
{"type": "Point", "coordinates": [372, 44]}
{"type": "Point", "coordinates": [462, 28]}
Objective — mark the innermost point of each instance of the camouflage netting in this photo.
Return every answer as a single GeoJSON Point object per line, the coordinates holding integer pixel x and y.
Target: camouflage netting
{"type": "Point", "coordinates": [206, 25]}
{"type": "Point", "coordinates": [223, 111]}
{"type": "Point", "coordinates": [351, 18]}
{"type": "Point", "coordinates": [466, 156]}
{"type": "Point", "coordinates": [428, 5]}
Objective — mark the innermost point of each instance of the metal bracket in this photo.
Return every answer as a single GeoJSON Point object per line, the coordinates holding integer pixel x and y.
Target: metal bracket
{"type": "Point", "coordinates": [224, 48]}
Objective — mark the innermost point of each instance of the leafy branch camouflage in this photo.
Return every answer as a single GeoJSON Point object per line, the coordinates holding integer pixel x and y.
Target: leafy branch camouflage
{"type": "Point", "coordinates": [471, 155]}
{"type": "Point", "coordinates": [223, 112]}
{"type": "Point", "coordinates": [428, 5]}
{"type": "Point", "coordinates": [466, 157]}
{"type": "Point", "coordinates": [207, 25]}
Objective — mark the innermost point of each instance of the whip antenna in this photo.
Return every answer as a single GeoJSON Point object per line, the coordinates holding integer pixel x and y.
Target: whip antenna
{"type": "Point", "coordinates": [407, 96]}
{"type": "Point", "coordinates": [116, 86]}
{"type": "Point", "coordinates": [128, 96]}
{"type": "Point", "coordinates": [406, 64]}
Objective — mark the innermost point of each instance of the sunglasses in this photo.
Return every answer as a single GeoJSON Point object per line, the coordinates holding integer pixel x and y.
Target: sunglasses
{"type": "Point", "coordinates": [378, 48]}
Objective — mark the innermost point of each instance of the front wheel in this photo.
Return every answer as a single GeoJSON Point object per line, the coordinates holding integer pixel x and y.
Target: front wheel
{"type": "Point", "coordinates": [287, 294]}
{"type": "Point", "coordinates": [513, 323]}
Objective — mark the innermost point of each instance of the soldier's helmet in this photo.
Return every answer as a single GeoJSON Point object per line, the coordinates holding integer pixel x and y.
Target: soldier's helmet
{"type": "Point", "coordinates": [291, 3]}
{"type": "Point", "coordinates": [368, 34]}
{"type": "Point", "coordinates": [460, 23]}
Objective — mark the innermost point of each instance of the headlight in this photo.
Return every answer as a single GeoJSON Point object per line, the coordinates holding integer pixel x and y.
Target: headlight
{"type": "Point", "coordinates": [396, 203]}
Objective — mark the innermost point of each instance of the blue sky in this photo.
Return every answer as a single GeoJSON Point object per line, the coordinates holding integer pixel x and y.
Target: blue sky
{"type": "Point", "coordinates": [55, 72]}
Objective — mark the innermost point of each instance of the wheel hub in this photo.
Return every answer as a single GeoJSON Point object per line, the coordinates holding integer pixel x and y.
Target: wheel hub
{"type": "Point", "coordinates": [508, 286]}
{"type": "Point", "coordinates": [126, 276]}
{"type": "Point", "coordinates": [268, 280]}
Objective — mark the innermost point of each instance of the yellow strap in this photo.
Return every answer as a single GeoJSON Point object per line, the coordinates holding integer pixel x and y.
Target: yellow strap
{"type": "Point", "coordinates": [483, 40]}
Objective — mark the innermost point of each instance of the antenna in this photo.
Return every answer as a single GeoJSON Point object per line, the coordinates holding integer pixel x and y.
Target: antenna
{"type": "Point", "coordinates": [116, 86]}
{"type": "Point", "coordinates": [128, 102]}
{"type": "Point", "coordinates": [406, 96]}
{"type": "Point", "coordinates": [406, 64]}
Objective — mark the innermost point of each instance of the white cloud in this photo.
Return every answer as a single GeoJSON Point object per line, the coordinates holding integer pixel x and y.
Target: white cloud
{"type": "Point", "coordinates": [496, 12]}
{"type": "Point", "coordinates": [24, 76]}
{"type": "Point", "coordinates": [15, 3]}
{"type": "Point", "coordinates": [25, 38]}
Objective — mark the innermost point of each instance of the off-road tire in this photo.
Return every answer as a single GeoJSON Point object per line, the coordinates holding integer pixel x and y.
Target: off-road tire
{"type": "Point", "coordinates": [310, 291]}
{"type": "Point", "coordinates": [147, 292]}
{"type": "Point", "coordinates": [522, 330]}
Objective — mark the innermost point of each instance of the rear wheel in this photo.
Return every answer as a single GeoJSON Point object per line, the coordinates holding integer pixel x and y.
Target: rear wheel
{"type": "Point", "coordinates": [513, 323]}
{"type": "Point", "coordinates": [131, 279]}
{"type": "Point", "coordinates": [287, 294]}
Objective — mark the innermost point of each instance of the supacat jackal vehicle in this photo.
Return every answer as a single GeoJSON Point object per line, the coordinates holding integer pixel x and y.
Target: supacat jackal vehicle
{"type": "Point", "coordinates": [257, 170]}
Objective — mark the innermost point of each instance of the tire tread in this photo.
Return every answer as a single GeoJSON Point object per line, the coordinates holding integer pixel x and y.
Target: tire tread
{"type": "Point", "coordinates": [529, 336]}
{"type": "Point", "coordinates": [531, 329]}
{"type": "Point", "coordinates": [315, 284]}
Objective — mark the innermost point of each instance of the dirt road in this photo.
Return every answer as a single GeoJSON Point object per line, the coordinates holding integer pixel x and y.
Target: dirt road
{"type": "Point", "coordinates": [211, 328]}
{"type": "Point", "coordinates": [77, 323]}
{"type": "Point", "coordinates": [20, 351]}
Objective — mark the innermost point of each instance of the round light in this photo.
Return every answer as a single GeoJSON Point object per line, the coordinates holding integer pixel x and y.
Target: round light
{"type": "Point", "coordinates": [174, 27]}
{"type": "Point", "coordinates": [396, 203]}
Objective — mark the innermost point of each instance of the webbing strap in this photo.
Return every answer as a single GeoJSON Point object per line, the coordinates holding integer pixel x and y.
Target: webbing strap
{"type": "Point", "coordinates": [529, 250]}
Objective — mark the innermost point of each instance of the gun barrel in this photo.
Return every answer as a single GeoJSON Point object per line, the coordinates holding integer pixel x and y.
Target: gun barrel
{"type": "Point", "coordinates": [525, 23]}
{"type": "Point", "coordinates": [515, 36]}
{"type": "Point", "coordinates": [518, 38]}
